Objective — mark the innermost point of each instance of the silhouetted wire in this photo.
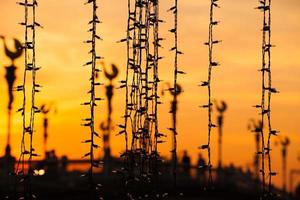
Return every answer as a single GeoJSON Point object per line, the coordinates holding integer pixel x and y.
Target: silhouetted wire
{"type": "Point", "coordinates": [267, 91]}
{"type": "Point", "coordinates": [90, 122]}
{"type": "Point", "coordinates": [141, 83]}
{"type": "Point", "coordinates": [174, 90]}
{"type": "Point", "coordinates": [30, 66]}
{"type": "Point", "coordinates": [211, 42]}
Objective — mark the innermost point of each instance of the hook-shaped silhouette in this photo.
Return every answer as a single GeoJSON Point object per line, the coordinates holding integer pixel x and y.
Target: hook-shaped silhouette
{"type": "Point", "coordinates": [221, 109]}
{"type": "Point", "coordinates": [45, 110]}
{"type": "Point", "coordinates": [284, 142]}
{"type": "Point", "coordinates": [13, 55]}
{"type": "Point", "coordinates": [114, 71]}
{"type": "Point", "coordinates": [172, 90]}
{"type": "Point", "coordinates": [256, 126]}
{"type": "Point", "coordinates": [10, 77]}
{"type": "Point", "coordinates": [107, 126]}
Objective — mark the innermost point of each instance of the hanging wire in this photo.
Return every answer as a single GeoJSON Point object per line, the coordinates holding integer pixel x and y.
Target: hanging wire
{"type": "Point", "coordinates": [211, 42]}
{"type": "Point", "coordinates": [90, 121]}
{"type": "Point", "coordinates": [29, 46]}
{"type": "Point", "coordinates": [156, 80]}
{"type": "Point", "coordinates": [267, 91]}
{"type": "Point", "coordinates": [175, 89]}
{"type": "Point", "coordinates": [141, 84]}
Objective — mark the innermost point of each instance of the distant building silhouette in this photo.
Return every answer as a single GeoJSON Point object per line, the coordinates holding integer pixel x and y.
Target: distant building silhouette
{"type": "Point", "coordinates": [186, 163]}
{"type": "Point", "coordinates": [7, 162]}
{"type": "Point", "coordinates": [201, 169]}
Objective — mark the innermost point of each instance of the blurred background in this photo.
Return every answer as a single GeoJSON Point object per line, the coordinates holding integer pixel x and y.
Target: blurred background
{"type": "Point", "coordinates": [61, 54]}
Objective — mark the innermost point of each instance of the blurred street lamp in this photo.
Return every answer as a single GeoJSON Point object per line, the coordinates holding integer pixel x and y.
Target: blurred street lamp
{"type": "Point", "coordinates": [220, 120]}
{"type": "Point", "coordinates": [10, 77]}
{"type": "Point", "coordinates": [106, 126]}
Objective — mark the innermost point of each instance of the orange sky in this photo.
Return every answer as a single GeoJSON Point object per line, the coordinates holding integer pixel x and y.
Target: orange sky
{"type": "Point", "coordinates": [61, 54]}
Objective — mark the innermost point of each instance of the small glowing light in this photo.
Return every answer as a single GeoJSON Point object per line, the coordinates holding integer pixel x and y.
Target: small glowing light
{"type": "Point", "coordinates": [36, 172]}
{"type": "Point", "coordinates": [40, 172]}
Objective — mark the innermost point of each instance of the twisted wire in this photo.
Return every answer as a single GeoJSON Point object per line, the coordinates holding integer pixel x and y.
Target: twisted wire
{"type": "Point", "coordinates": [156, 80]}
{"type": "Point", "coordinates": [30, 25]}
{"type": "Point", "coordinates": [90, 121]}
{"type": "Point", "coordinates": [175, 89]}
{"type": "Point", "coordinates": [141, 83]}
{"type": "Point", "coordinates": [211, 42]}
{"type": "Point", "coordinates": [267, 90]}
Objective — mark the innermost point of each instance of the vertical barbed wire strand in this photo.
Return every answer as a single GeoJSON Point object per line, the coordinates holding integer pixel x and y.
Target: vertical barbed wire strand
{"type": "Point", "coordinates": [270, 130]}
{"type": "Point", "coordinates": [142, 93]}
{"type": "Point", "coordinates": [90, 122]}
{"type": "Point", "coordinates": [211, 42]}
{"type": "Point", "coordinates": [23, 89]}
{"type": "Point", "coordinates": [156, 79]}
{"type": "Point", "coordinates": [174, 89]}
{"type": "Point", "coordinates": [267, 91]}
{"type": "Point", "coordinates": [30, 66]}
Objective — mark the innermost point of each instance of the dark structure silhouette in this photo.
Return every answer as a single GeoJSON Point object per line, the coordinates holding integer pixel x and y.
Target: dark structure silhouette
{"type": "Point", "coordinates": [7, 162]}
{"type": "Point", "coordinates": [284, 142]}
{"type": "Point", "coordinates": [173, 110]}
{"type": "Point", "coordinates": [255, 127]}
{"type": "Point", "coordinates": [10, 79]}
{"type": "Point", "coordinates": [201, 163]}
{"type": "Point", "coordinates": [220, 121]}
{"type": "Point", "coordinates": [107, 126]}
{"type": "Point", "coordinates": [186, 163]}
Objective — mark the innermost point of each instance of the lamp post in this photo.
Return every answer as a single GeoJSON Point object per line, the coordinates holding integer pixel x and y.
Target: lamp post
{"type": "Point", "coordinates": [173, 111]}
{"type": "Point", "coordinates": [221, 110]}
{"type": "Point", "coordinates": [255, 127]}
{"type": "Point", "coordinates": [45, 110]}
{"type": "Point", "coordinates": [10, 77]}
{"type": "Point", "coordinates": [284, 144]}
{"type": "Point", "coordinates": [106, 126]}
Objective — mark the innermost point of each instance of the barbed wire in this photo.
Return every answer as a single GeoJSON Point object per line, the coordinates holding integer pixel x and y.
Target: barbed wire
{"type": "Point", "coordinates": [92, 103]}
{"type": "Point", "coordinates": [141, 84]}
{"type": "Point", "coordinates": [267, 91]}
{"type": "Point", "coordinates": [30, 25]}
{"type": "Point", "coordinates": [175, 89]}
{"type": "Point", "coordinates": [211, 42]}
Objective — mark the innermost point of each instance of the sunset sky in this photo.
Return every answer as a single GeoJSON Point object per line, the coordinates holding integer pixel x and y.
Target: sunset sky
{"type": "Point", "coordinates": [61, 54]}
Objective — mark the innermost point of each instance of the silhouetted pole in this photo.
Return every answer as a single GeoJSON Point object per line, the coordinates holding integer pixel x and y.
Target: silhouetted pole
{"type": "Point", "coordinates": [221, 109]}
{"type": "Point", "coordinates": [255, 127]}
{"type": "Point", "coordinates": [173, 111]}
{"type": "Point", "coordinates": [10, 77]}
{"type": "Point", "coordinates": [284, 144]}
{"type": "Point", "coordinates": [45, 111]}
{"type": "Point", "coordinates": [107, 127]}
